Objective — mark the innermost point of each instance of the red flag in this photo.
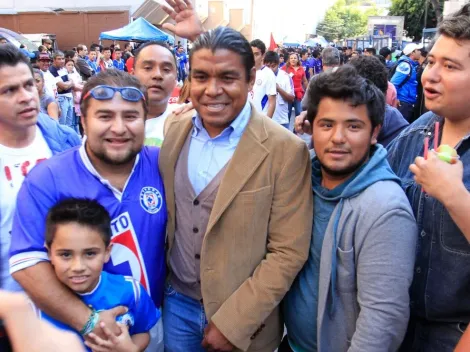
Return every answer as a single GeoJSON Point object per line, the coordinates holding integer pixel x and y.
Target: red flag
{"type": "Point", "coordinates": [272, 43]}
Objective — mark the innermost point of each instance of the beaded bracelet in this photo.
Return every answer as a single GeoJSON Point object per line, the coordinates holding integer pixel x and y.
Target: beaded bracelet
{"type": "Point", "coordinates": [91, 323]}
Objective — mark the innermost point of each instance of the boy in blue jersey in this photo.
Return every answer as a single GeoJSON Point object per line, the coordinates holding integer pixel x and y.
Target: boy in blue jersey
{"type": "Point", "coordinates": [118, 62]}
{"type": "Point", "coordinates": [78, 239]}
{"type": "Point", "coordinates": [113, 167]}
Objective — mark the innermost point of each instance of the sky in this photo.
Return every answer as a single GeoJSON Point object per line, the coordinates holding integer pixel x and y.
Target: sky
{"type": "Point", "coordinates": [292, 21]}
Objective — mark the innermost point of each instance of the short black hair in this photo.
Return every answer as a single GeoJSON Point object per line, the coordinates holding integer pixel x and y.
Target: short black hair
{"type": "Point", "coordinates": [385, 51]}
{"type": "Point", "coordinates": [94, 46]}
{"type": "Point", "coordinates": [228, 39]}
{"type": "Point", "coordinates": [316, 53]}
{"type": "Point", "coordinates": [346, 84]}
{"type": "Point", "coordinates": [86, 212]}
{"type": "Point", "coordinates": [303, 52]}
{"type": "Point", "coordinates": [147, 44]}
{"type": "Point", "coordinates": [107, 48]}
{"type": "Point", "coordinates": [116, 49]}
{"type": "Point", "coordinates": [372, 50]}
{"type": "Point", "coordinates": [257, 43]}
{"type": "Point", "coordinates": [69, 54]}
{"type": "Point", "coordinates": [113, 78]}
{"type": "Point", "coordinates": [10, 55]}
{"type": "Point", "coordinates": [372, 69]}
{"type": "Point", "coordinates": [271, 57]}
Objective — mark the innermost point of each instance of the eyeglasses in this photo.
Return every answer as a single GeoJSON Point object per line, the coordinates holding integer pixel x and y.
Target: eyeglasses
{"type": "Point", "coordinates": [107, 93]}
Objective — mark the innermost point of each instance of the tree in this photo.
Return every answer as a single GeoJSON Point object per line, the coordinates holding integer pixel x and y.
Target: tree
{"type": "Point", "coordinates": [414, 11]}
{"type": "Point", "coordinates": [346, 19]}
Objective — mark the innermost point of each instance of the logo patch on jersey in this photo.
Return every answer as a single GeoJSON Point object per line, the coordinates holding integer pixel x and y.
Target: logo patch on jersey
{"type": "Point", "coordinates": [126, 249]}
{"type": "Point", "coordinates": [259, 81]}
{"type": "Point", "coordinates": [151, 200]}
{"type": "Point", "coordinates": [126, 319]}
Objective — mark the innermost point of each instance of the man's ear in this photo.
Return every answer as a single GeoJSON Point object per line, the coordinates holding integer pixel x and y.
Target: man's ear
{"type": "Point", "coordinates": [252, 80]}
{"type": "Point", "coordinates": [375, 134]}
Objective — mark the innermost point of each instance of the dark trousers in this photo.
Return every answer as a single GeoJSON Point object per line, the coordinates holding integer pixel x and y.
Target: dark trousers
{"type": "Point", "coordinates": [4, 342]}
{"type": "Point", "coordinates": [285, 347]}
{"type": "Point", "coordinates": [407, 110]}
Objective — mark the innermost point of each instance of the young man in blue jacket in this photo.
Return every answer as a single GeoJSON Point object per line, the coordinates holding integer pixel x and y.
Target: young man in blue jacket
{"type": "Point", "coordinates": [438, 193]}
{"type": "Point", "coordinates": [352, 294]}
{"type": "Point", "coordinates": [26, 138]}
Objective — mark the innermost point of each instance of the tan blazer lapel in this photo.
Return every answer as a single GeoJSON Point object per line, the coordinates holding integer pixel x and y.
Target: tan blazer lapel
{"type": "Point", "coordinates": [248, 156]}
{"type": "Point", "coordinates": [176, 132]}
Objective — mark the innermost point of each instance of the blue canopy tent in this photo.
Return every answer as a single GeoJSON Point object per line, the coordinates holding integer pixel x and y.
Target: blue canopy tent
{"type": "Point", "coordinates": [139, 30]}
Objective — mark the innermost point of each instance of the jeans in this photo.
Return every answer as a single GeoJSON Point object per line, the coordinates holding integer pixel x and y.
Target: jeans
{"type": "Point", "coordinates": [76, 122]}
{"type": "Point", "coordinates": [425, 336]}
{"type": "Point", "coordinates": [184, 321]}
{"type": "Point", "coordinates": [297, 105]}
{"type": "Point", "coordinates": [66, 111]}
{"type": "Point", "coordinates": [286, 125]}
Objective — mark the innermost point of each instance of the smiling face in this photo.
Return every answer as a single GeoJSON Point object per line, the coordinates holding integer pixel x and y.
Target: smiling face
{"type": "Point", "coordinates": [155, 68]}
{"type": "Point", "coordinates": [19, 99]}
{"type": "Point", "coordinates": [445, 78]}
{"type": "Point", "coordinates": [219, 87]}
{"type": "Point", "coordinates": [293, 60]}
{"type": "Point", "coordinates": [114, 130]}
{"type": "Point", "coordinates": [78, 254]}
{"type": "Point", "coordinates": [342, 137]}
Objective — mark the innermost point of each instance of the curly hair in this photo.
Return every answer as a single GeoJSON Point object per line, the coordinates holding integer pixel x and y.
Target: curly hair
{"type": "Point", "coordinates": [346, 84]}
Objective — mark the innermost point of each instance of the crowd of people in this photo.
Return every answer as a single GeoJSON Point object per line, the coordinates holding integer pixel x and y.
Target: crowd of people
{"type": "Point", "coordinates": [139, 225]}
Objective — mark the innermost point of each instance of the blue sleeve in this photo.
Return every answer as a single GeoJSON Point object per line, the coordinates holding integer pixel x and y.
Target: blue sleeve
{"type": "Point", "coordinates": [146, 314]}
{"type": "Point", "coordinates": [53, 71]}
{"type": "Point", "coordinates": [35, 198]}
{"type": "Point", "coordinates": [401, 73]}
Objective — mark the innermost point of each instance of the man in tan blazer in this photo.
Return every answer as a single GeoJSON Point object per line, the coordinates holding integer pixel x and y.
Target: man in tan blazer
{"type": "Point", "coordinates": [239, 197]}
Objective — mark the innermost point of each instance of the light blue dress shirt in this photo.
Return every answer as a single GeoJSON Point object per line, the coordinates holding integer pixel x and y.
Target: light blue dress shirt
{"type": "Point", "coordinates": [207, 156]}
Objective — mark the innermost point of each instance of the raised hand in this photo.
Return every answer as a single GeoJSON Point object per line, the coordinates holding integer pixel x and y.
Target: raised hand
{"type": "Point", "coordinates": [188, 25]}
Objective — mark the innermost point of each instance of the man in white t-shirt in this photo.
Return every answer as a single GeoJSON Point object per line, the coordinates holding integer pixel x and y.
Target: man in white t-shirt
{"type": "Point", "coordinates": [285, 89]}
{"type": "Point", "coordinates": [26, 138]}
{"type": "Point", "coordinates": [50, 85]}
{"type": "Point", "coordinates": [155, 67]}
{"type": "Point", "coordinates": [263, 95]}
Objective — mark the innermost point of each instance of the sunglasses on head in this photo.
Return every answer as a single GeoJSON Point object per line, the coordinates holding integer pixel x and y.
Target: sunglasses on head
{"type": "Point", "coordinates": [107, 93]}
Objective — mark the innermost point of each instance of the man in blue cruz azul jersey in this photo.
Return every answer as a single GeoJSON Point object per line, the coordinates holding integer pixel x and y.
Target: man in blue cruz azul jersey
{"type": "Point", "coordinates": [113, 168]}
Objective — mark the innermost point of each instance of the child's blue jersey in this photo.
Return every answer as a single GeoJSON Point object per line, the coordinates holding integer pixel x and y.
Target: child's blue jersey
{"type": "Point", "coordinates": [138, 214]}
{"type": "Point", "coordinates": [118, 290]}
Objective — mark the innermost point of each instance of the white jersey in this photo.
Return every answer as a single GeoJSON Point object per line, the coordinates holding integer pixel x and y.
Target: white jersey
{"type": "Point", "coordinates": [15, 163]}
{"type": "Point", "coordinates": [281, 114]}
{"type": "Point", "coordinates": [50, 84]}
{"type": "Point", "coordinates": [154, 127]}
{"type": "Point", "coordinates": [265, 85]}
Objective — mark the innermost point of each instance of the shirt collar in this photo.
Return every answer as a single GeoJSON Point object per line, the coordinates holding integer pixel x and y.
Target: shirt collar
{"type": "Point", "coordinates": [236, 128]}
{"type": "Point", "coordinates": [89, 166]}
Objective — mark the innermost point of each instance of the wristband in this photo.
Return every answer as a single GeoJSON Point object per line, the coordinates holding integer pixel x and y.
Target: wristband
{"type": "Point", "coordinates": [91, 323]}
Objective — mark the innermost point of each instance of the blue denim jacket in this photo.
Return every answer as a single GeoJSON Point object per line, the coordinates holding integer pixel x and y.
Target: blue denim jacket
{"type": "Point", "coordinates": [441, 284]}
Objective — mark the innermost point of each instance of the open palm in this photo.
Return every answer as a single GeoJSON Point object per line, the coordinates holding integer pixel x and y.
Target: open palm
{"type": "Point", "coordinates": [188, 25]}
